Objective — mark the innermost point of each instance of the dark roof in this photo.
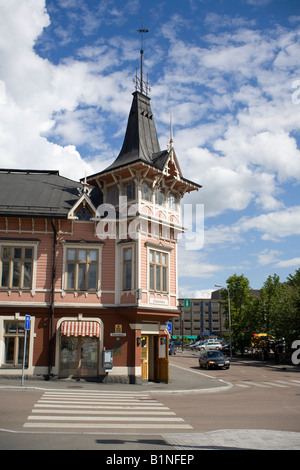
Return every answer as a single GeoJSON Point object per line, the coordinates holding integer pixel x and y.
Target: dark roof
{"type": "Point", "coordinates": [141, 141]}
{"type": "Point", "coordinates": [32, 193]}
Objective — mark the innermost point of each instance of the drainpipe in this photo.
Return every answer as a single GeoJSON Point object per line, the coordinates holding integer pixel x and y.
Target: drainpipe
{"type": "Point", "coordinates": [51, 344]}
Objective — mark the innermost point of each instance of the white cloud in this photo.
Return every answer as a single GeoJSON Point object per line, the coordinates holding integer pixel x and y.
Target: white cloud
{"type": "Point", "coordinates": [294, 262]}
{"type": "Point", "coordinates": [274, 225]}
{"type": "Point", "coordinates": [185, 292]}
{"type": "Point", "coordinates": [243, 111]}
{"type": "Point", "coordinates": [193, 262]}
{"type": "Point", "coordinates": [37, 101]}
{"type": "Point", "coordinates": [267, 256]}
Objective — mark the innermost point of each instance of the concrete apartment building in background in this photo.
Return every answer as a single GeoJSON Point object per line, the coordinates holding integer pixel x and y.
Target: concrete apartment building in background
{"type": "Point", "coordinates": [203, 318]}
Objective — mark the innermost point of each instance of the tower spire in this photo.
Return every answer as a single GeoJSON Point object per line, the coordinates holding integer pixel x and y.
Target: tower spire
{"type": "Point", "coordinates": [140, 85]}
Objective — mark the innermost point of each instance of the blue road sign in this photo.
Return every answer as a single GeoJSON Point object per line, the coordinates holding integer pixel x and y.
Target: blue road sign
{"type": "Point", "coordinates": [169, 327]}
{"type": "Point", "coordinates": [27, 322]}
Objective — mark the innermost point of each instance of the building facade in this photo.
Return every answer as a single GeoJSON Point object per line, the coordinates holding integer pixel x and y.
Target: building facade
{"type": "Point", "coordinates": [204, 318]}
{"type": "Point", "coordinates": [94, 263]}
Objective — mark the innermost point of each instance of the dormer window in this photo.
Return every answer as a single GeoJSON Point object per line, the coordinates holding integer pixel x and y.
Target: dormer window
{"type": "Point", "coordinates": [84, 214]}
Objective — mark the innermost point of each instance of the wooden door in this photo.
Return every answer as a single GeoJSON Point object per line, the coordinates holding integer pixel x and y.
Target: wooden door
{"type": "Point", "coordinates": [162, 358]}
{"type": "Point", "coordinates": [145, 357]}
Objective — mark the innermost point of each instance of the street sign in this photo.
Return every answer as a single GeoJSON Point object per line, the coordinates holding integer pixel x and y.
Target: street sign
{"type": "Point", "coordinates": [27, 322]}
{"type": "Point", "coordinates": [187, 303]}
{"type": "Point", "coordinates": [169, 328]}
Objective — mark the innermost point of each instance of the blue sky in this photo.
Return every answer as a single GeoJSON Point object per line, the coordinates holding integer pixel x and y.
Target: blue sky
{"type": "Point", "coordinates": [230, 73]}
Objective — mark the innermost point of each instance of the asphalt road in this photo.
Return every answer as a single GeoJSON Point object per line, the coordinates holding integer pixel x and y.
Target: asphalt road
{"type": "Point", "coordinates": [248, 406]}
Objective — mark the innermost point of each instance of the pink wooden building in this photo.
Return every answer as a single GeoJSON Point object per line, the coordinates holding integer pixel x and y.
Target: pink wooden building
{"type": "Point", "coordinates": [94, 263]}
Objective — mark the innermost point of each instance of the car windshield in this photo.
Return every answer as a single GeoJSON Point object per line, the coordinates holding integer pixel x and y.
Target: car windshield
{"type": "Point", "coordinates": [214, 354]}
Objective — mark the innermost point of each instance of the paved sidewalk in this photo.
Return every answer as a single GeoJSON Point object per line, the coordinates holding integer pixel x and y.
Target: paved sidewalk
{"type": "Point", "coordinates": [235, 439]}
{"type": "Point", "coordinates": [181, 380]}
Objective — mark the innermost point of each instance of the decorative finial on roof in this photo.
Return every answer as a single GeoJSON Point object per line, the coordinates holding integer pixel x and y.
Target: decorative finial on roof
{"type": "Point", "coordinates": [140, 85]}
{"type": "Point", "coordinates": [170, 144]}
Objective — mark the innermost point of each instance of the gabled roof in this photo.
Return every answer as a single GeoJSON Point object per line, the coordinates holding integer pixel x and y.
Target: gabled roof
{"type": "Point", "coordinates": [33, 193]}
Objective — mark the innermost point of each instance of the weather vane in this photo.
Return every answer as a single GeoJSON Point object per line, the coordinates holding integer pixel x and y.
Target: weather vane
{"type": "Point", "coordinates": [139, 83]}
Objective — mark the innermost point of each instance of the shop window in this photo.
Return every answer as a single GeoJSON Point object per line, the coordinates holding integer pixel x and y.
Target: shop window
{"type": "Point", "coordinates": [158, 270]}
{"type": "Point", "coordinates": [79, 356]}
{"type": "Point", "coordinates": [14, 337]}
{"type": "Point", "coordinates": [16, 267]}
{"type": "Point", "coordinates": [82, 269]}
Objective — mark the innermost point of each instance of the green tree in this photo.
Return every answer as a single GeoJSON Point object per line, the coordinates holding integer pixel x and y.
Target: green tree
{"type": "Point", "coordinates": [241, 310]}
{"type": "Point", "coordinates": [292, 313]}
{"type": "Point", "coordinates": [269, 305]}
{"type": "Point", "coordinates": [279, 308]}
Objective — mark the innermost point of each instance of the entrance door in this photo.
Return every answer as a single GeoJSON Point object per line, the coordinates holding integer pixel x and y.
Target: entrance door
{"type": "Point", "coordinates": [145, 357]}
{"type": "Point", "coordinates": [79, 356]}
{"type": "Point", "coordinates": [155, 358]}
{"type": "Point", "coordinates": [161, 358]}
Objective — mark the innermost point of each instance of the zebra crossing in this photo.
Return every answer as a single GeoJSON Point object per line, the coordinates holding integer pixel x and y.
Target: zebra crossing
{"type": "Point", "coordinates": [266, 384]}
{"type": "Point", "coordinates": [102, 410]}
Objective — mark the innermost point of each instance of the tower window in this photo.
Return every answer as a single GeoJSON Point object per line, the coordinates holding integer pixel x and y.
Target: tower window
{"type": "Point", "coordinates": [146, 191]}
{"type": "Point", "coordinates": [129, 190]}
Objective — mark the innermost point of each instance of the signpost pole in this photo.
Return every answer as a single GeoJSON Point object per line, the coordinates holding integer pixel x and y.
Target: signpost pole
{"type": "Point", "coordinates": [186, 304]}
{"type": "Point", "coordinates": [27, 327]}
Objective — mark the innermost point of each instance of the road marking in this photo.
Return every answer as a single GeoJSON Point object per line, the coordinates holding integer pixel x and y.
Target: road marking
{"type": "Point", "coordinates": [265, 384]}
{"type": "Point", "coordinates": [257, 384]}
{"type": "Point", "coordinates": [107, 412]}
{"type": "Point", "coordinates": [79, 402]}
{"type": "Point", "coordinates": [276, 385]}
{"type": "Point", "coordinates": [101, 418]}
{"type": "Point", "coordinates": [288, 383]}
{"type": "Point", "coordinates": [96, 396]}
{"type": "Point", "coordinates": [98, 410]}
{"type": "Point", "coordinates": [100, 407]}
{"type": "Point", "coordinates": [147, 426]}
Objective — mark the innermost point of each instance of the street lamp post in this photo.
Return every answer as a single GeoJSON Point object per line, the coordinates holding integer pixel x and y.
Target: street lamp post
{"type": "Point", "coordinates": [229, 318]}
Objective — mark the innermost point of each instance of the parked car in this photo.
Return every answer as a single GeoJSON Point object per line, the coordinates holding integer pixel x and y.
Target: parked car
{"type": "Point", "coordinates": [226, 348]}
{"type": "Point", "coordinates": [197, 345]}
{"type": "Point", "coordinates": [213, 359]}
{"type": "Point", "coordinates": [211, 344]}
{"type": "Point", "coordinates": [172, 348]}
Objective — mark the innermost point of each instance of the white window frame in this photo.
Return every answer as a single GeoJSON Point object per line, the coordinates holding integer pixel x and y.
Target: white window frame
{"type": "Point", "coordinates": [126, 246]}
{"type": "Point", "coordinates": [21, 243]}
{"type": "Point", "coordinates": [161, 249]}
{"type": "Point", "coordinates": [81, 246]}
{"type": "Point", "coordinates": [11, 370]}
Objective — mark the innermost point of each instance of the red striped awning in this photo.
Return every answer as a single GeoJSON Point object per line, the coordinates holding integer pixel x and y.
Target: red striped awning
{"type": "Point", "coordinates": [80, 328]}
